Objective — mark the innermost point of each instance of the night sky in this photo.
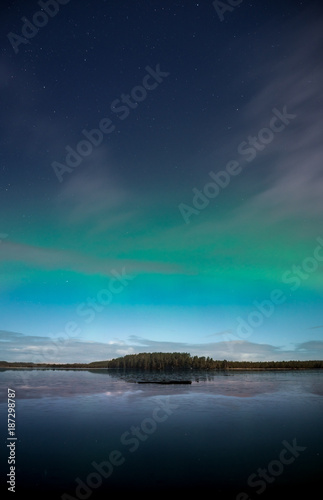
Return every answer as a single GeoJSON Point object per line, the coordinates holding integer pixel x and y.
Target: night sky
{"type": "Point", "coordinates": [161, 179]}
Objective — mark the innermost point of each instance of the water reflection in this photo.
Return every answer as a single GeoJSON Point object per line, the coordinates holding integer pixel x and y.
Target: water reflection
{"type": "Point", "coordinates": [69, 383]}
{"type": "Point", "coordinates": [222, 428]}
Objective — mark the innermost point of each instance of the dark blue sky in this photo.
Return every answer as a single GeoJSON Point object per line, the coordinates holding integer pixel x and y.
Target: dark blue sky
{"type": "Point", "coordinates": [88, 54]}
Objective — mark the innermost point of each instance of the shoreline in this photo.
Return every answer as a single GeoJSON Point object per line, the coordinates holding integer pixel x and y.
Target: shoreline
{"type": "Point", "coordinates": [210, 370]}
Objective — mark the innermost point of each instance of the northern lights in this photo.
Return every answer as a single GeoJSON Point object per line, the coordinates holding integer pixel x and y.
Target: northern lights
{"type": "Point", "coordinates": [100, 262]}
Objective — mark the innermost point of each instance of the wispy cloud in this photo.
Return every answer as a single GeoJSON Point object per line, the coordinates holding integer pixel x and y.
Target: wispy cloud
{"type": "Point", "coordinates": [93, 191]}
{"type": "Point", "coordinates": [289, 182]}
{"type": "Point", "coordinates": [219, 334]}
{"type": "Point", "coordinates": [313, 347]}
{"type": "Point", "coordinates": [19, 347]}
{"type": "Point", "coordinates": [57, 258]}
{"type": "Point", "coordinates": [40, 349]}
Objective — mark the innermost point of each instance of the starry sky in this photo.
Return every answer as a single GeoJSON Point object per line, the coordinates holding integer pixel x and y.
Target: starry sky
{"type": "Point", "coordinates": [161, 179]}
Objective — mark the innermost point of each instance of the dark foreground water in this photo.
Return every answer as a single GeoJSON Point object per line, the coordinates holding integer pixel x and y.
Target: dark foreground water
{"type": "Point", "coordinates": [97, 434]}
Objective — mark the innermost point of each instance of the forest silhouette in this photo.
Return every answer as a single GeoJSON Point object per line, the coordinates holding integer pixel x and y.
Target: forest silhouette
{"type": "Point", "coordinates": [156, 361]}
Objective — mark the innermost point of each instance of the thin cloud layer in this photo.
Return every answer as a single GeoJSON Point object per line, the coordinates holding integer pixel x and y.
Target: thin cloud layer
{"type": "Point", "coordinates": [291, 183]}
{"type": "Point", "coordinates": [52, 258]}
{"type": "Point", "coordinates": [26, 348]}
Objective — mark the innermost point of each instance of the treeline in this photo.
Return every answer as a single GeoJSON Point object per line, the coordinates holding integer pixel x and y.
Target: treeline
{"type": "Point", "coordinates": [20, 364]}
{"type": "Point", "coordinates": [173, 361]}
{"type": "Point", "coordinates": [152, 361]}
{"type": "Point", "coordinates": [183, 360]}
{"type": "Point", "coordinates": [275, 365]}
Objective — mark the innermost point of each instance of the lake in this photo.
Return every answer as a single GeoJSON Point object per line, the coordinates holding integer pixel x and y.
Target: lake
{"type": "Point", "coordinates": [238, 435]}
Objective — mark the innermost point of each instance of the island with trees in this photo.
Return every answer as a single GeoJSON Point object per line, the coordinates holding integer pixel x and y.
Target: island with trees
{"type": "Point", "coordinates": [170, 361]}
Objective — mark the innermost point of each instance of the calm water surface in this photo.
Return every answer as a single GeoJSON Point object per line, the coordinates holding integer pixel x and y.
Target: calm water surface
{"type": "Point", "coordinates": [215, 434]}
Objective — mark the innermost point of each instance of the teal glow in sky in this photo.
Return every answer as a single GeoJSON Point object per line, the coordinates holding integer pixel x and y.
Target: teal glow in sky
{"type": "Point", "coordinates": [195, 224]}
